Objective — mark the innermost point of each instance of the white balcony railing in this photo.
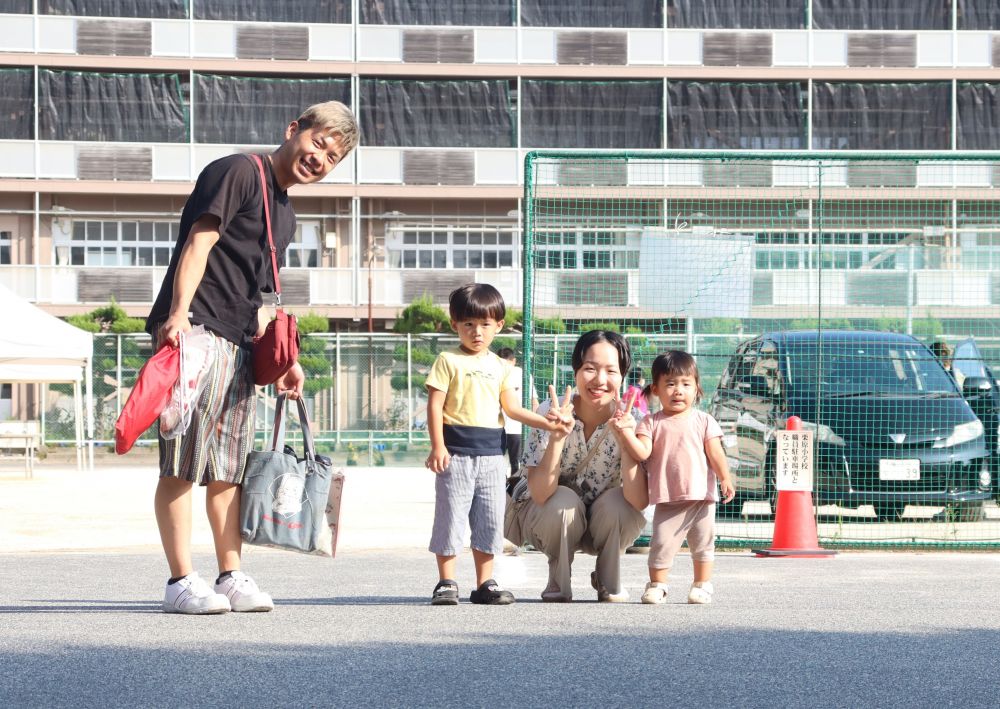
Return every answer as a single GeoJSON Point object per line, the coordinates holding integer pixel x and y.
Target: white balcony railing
{"type": "Point", "coordinates": [397, 288]}
{"type": "Point", "coordinates": [51, 34]}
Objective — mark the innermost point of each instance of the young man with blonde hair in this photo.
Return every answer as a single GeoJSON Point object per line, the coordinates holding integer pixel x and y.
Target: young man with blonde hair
{"type": "Point", "coordinates": [217, 272]}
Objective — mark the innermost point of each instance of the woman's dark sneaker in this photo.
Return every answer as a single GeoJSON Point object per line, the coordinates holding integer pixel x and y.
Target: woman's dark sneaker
{"type": "Point", "coordinates": [490, 594]}
{"type": "Point", "coordinates": [445, 593]}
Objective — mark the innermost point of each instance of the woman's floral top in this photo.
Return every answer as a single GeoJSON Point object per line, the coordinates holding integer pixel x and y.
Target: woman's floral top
{"type": "Point", "coordinates": [603, 470]}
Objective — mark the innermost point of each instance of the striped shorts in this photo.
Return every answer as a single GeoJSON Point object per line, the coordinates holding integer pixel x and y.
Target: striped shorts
{"type": "Point", "coordinates": [216, 445]}
{"type": "Point", "coordinates": [470, 492]}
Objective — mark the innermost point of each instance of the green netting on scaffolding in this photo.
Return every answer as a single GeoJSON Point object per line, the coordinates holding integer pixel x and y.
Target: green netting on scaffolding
{"type": "Point", "coordinates": [858, 292]}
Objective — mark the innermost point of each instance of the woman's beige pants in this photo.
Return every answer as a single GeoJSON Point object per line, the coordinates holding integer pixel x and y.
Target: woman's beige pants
{"type": "Point", "coordinates": [564, 525]}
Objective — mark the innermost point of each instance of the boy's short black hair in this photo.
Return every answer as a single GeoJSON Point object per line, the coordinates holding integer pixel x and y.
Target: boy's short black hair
{"type": "Point", "coordinates": [505, 353]}
{"type": "Point", "coordinates": [476, 300]}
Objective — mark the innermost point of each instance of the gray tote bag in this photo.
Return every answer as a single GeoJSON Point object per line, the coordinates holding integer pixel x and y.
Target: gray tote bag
{"type": "Point", "coordinates": [290, 502]}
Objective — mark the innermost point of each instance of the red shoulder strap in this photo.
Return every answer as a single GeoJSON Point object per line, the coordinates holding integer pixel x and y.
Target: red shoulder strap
{"type": "Point", "coordinates": [267, 221]}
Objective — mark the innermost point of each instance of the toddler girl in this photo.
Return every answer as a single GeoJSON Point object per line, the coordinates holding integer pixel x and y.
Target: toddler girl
{"type": "Point", "coordinates": [685, 467]}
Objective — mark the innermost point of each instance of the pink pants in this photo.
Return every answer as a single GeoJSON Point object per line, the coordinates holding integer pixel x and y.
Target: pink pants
{"type": "Point", "coordinates": [673, 522]}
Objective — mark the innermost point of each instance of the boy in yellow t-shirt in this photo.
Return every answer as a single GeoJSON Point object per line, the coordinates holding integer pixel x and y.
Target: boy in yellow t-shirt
{"type": "Point", "coordinates": [469, 389]}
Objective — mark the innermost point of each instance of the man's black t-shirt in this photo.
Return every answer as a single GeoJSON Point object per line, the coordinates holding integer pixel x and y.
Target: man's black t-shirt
{"type": "Point", "coordinates": [239, 265]}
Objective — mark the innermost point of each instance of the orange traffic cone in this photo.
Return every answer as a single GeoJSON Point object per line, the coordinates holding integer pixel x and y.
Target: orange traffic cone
{"type": "Point", "coordinates": [794, 522]}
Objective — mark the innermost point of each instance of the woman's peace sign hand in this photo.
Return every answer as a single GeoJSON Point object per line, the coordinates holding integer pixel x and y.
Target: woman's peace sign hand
{"type": "Point", "coordinates": [560, 416]}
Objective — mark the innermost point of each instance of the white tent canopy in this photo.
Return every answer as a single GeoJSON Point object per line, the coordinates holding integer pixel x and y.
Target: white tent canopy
{"type": "Point", "coordinates": [41, 348]}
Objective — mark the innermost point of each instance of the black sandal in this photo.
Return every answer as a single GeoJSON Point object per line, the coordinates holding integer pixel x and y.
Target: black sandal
{"type": "Point", "coordinates": [445, 593]}
{"type": "Point", "coordinates": [490, 594]}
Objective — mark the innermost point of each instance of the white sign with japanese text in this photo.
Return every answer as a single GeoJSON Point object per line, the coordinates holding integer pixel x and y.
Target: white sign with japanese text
{"type": "Point", "coordinates": [794, 469]}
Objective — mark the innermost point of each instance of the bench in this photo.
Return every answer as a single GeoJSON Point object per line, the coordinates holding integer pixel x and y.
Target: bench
{"type": "Point", "coordinates": [21, 439]}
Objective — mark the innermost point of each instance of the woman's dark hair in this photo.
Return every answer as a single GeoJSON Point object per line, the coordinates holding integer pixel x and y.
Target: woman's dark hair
{"type": "Point", "coordinates": [675, 363]}
{"type": "Point", "coordinates": [591, 338]}
{"type": "Point", "coordinates": [476, 300]}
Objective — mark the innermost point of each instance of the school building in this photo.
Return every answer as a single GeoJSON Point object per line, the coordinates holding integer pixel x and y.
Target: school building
{"type": "Point", "coordinates": [109, 110]}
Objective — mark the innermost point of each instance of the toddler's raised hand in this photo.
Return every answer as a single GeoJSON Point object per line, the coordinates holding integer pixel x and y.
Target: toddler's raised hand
{"type": "Point", "coordinates": [622, 420]}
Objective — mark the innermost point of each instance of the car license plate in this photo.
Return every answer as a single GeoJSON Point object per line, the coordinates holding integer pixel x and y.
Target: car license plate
{"type": "Point", "coordinates": [893, 469]}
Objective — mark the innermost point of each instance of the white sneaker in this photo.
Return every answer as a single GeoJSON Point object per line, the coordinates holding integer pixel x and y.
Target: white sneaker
{"type": "Point", "coordinates": [243, 594]}
{"type": "Point", "coordinates": [192, 595]}
{"type": "Point", "coordinates": [655, 593]}
{"type": "Point", "coordinates": [701, 595]}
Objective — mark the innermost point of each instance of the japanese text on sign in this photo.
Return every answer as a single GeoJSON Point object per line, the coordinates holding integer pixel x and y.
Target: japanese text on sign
{"type": "Point", "coordinates": [794, 469]}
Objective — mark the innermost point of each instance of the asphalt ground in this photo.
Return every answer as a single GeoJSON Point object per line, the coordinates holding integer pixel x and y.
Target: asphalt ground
{"type": "Point", "coordinates": [859, 630]}
{"type": "Point", "coordinates": [81, 580]}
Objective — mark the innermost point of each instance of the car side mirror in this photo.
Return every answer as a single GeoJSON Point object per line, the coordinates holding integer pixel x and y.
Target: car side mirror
{"type": "Point", "coordinates": [976, 386]}
{"type": "Point", "coordinates": [756, 385]}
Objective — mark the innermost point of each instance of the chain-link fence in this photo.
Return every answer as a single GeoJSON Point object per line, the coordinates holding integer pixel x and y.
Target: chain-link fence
{"type": "Point", "coordinates": [858, 292]}
{"type": "Point", "coordinates": [367, 400]}
{"type": "Point", "coordinates": [365, 393]}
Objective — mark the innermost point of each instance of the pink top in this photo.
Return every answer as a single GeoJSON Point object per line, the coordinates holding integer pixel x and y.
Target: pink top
{"type": "Point", "coordinates": [677, 468]}
{"type": "Point", "coordinates": [640, 400]}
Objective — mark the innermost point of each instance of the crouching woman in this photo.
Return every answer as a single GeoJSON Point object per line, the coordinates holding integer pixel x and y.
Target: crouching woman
{"type": "Point", "coordinates": [578, 491]}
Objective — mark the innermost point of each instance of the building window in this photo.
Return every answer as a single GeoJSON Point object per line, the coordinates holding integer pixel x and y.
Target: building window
{"type": "Point", "coordinates": [17, 104]}
{"type": "Point", "coordinates": [881, 15]}
{"type": "Point", "coordinates": [978, 107]}
{"type": "Point", "coordinates": [304, 250]}
{"type": "Point", "coordinates": [16, 7]}
{"type": "Point", "coordinates": [566, 13]}
{"type": "Point", "coordinates": [587, 250]}
{"type": "Point", "coordinates": [978, 15]}
{"type": "Point", "coordinates": [777, 251]}
{"type": "Point", "coordinates": [115, 243]}
{"type": "Point", "coordinates": [255, 110]}
{"type": "Point", "coordinates": [112, 107]}
{"type": "Point", "coordinates": [482, 13]}
{"type": "Point", "coordinates": [451, 247]}
{"type": "Point", "coordinates": [881, 116]}
{"type": "Point", "coordinates": [336, 12]}
{"type": "Point", "coordinates": [729, 15]}
{"type": "Point", "coordinates": [721, 114]}
{"type": "Point", "coordinates": [6, 394]}
{"type": "Point", "coordinates": [158, 9]}
{"type": "Point", "coordinates": [456, 113]}
{"type": "Point", "coordinates": [591, 114]}
{"type": "Point", "coordinates": [980, 248]}
{"type": "Point", "coordinates": [6, 245]}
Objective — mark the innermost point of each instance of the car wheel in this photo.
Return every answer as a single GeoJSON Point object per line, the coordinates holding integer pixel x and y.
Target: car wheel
{"type": "Point", "coordinates": [889, 511]}
{"type": "Point", "coordinates": [965, 511]}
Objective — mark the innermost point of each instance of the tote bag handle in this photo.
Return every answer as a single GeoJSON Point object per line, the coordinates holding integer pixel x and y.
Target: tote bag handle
{"type": "Point", "coordinates": [278, 439]}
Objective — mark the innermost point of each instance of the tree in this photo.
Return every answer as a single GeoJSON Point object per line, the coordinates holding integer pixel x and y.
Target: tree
{"type": "Point", "coordinates": [108, 318]}
{"type": "Point", "coordinates": [588, 326]}
{"type": "Point", "coordinates": [312, 353]}
{"type": "Point", "coordinates": [550, 326]}
{"type": "Point", "coordinates": [422, 316]}
{"type": "Point", "coordinates": [513, 320]}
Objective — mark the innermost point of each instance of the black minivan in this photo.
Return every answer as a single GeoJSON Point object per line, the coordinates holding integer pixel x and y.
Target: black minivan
{"type": "Point", "coordinates": [890, 425]}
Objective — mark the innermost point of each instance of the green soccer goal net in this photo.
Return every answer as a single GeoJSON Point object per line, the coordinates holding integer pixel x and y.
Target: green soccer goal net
{"type": "Point", "coordinates": [859, 292]}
